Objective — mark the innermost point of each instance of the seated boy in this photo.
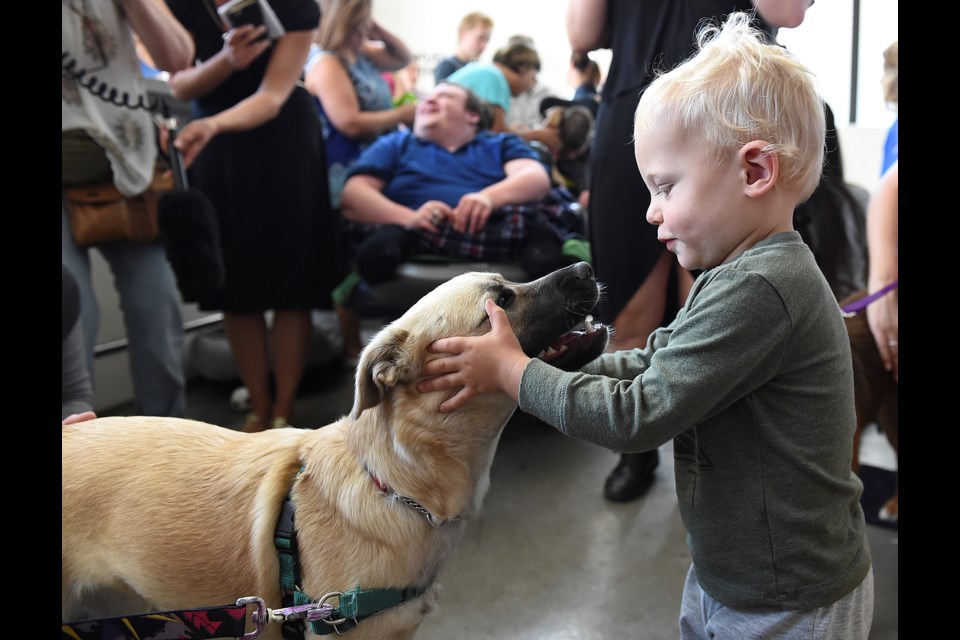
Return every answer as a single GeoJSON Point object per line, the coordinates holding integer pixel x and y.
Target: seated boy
{"type": "Point", "coordinates": [753, 379]}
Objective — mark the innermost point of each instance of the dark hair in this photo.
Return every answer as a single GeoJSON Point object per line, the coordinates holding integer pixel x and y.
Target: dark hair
{"type": "Point", "coordinates": [576, 128]}
{"type": "Point", "coordinates": [582, 63]}
{"type": "Point", "coordinates": [481, 108]}
{"type": "Point", "coordinates": [518, 57]}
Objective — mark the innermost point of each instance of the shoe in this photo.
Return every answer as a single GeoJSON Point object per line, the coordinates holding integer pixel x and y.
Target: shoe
{"type": "Point", "coordinates": [632, 477]}
{"type": "Point", "coordinates": [279, 423]}
{"type": "Point", "coordinates": [253, 423]}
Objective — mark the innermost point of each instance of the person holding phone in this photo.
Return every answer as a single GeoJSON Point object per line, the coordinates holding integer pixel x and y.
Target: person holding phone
{"type": "Point", "coordinates": [255, 149]}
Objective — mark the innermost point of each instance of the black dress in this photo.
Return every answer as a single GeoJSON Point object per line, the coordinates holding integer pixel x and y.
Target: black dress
{"type": "Point", "coordinates": [269, 184]}
{"type": "Point", "coordinates": [646, 36]}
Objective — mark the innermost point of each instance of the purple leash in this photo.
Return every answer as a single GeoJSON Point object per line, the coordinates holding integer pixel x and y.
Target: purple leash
{"type": "Point", "coordinates": [860, 304]}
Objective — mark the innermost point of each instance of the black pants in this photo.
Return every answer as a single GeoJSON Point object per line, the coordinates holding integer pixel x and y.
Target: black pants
{"type": "Point", "coordinates": [380, 254]}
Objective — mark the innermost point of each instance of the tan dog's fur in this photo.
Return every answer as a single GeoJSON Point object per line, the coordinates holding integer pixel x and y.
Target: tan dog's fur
{"type": "Point", "coordinates": [876, 395]}
{"type": "Point", "coordinates": [166, 514]}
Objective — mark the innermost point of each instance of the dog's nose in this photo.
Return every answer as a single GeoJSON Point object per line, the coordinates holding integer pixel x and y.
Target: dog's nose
{"type": "Point", "coordinates": [583, 270]}
{"type": "Point", "coordinates": [575, 274]}
{"type": "Point", "coordinates": [579, 271]}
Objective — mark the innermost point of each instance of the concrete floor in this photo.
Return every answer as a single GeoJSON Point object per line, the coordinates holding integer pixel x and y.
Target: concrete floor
{"type": "Point", "coordinates": [549, 558]}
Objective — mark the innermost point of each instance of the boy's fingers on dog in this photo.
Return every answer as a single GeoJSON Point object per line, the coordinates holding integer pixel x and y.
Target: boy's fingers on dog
{"type": "Point", "coordinates": [496, 314]}
{"type": "Point", "coordinates": [461, 398]}
{"type": "Point", "coordinates": [444, 345]}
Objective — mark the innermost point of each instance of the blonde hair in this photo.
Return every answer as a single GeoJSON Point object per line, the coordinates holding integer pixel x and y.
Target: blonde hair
{"type": "Point", "coordinates": [737, 88]}
{"type": "Point", "coordinates": [341, 19]}
{"type": "Point", "coordinates": [891, 92]}
{"type": "Point", "coordinates": [475, 20]}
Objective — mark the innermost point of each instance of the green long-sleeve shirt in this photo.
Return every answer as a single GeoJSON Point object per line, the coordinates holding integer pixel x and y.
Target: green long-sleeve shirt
{"type": "Point", "coordinates": [753, 381]}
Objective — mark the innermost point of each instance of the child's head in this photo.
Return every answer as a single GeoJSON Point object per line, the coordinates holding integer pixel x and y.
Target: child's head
{"type": "Point", "coordinates": [574, 124]}
{"type": "Point", "coordinates": [739, 88]}
{"type": "Point", "coordinates": [583, 70]}
{"type": "Point", "coordinates": [474, 34]}
{"type": "Point", "coordinates": [728, 144]}
{"type": "Point", "coordinates": [523, 60]}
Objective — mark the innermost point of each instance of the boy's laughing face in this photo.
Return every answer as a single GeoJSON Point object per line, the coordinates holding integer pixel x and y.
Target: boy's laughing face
{"type": "Point", "coordinates": [699, 207]}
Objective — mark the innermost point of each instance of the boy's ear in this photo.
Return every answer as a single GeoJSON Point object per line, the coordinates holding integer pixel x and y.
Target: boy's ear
{"type": "Point", "coordinates": [761, 168]}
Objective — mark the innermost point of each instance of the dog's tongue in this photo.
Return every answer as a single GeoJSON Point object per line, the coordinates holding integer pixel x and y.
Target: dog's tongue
{"type": "Point", "coordinates": [572, 345]}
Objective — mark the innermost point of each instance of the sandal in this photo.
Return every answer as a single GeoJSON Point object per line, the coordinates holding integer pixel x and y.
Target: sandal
{"type": "Point", "coordinates": [253, 424]}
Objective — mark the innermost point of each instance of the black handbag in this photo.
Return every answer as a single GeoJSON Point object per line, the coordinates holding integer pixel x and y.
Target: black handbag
{"type": "Point", "coordinates": [191, 236]}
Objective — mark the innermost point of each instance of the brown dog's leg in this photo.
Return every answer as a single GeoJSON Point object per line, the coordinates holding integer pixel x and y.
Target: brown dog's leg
{"type": "Point", "coordinates": [889, 420]}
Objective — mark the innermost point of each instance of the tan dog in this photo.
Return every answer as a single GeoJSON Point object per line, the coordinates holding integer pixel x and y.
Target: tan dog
{"type": "Point", "coordinates": [165, 514]}
{"type": "Point", "coordinates": [876, 395]}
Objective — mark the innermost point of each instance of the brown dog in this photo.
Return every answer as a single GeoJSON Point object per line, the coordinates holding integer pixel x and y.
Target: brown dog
{"type": "Point", "coordinates": [163, 514]}
{"type": "Point", "coordinates": [877, 396]}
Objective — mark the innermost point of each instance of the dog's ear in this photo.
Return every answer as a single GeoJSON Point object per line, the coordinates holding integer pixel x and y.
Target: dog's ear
{"type": "Point", "coordinates": [384, 364]}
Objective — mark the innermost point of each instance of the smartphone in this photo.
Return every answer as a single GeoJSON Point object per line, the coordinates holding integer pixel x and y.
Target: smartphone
{"type": "Point", "coordinates": [244, 12]}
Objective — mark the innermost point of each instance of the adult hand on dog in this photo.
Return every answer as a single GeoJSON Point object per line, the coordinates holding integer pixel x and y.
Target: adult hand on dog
{"type": "Point", "coordinates": [883, 316]}
{"type": "Point", "coordinates": [472, 212]}
{"type": "Point", "coordinates": [78, 417]}
{"type": "Point", "coordinates": [482, 364]}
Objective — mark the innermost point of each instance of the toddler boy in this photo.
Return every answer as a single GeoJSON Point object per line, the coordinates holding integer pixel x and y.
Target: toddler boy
{"type": "Point", "coordinates": [753, 379]}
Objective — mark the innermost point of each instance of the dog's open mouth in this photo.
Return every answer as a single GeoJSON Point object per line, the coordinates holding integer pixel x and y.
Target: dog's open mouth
{"type": "Point", "coordinates": [578, 346]}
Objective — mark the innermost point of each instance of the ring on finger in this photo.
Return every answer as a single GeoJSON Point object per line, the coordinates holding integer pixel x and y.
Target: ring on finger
{"type": "Point", "coordinates": [891, 343]}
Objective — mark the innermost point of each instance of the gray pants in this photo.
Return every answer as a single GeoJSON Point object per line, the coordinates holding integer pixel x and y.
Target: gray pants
{"type": "Point", "coordinates": [703, 618]}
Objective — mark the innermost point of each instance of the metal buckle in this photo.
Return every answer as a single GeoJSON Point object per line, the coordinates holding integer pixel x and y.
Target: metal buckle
{"type": "Point", "coordinates": [339, 621]}
{"type": "Point", "coordinates": [259, 615]}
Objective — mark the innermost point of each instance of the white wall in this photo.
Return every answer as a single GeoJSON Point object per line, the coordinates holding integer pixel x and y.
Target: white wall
{"type": "Point", "coordinates": [823, 42]}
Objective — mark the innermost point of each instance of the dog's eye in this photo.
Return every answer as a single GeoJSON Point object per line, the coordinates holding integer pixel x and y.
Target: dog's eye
{"type": "Point", "coordinates": [505, 298]}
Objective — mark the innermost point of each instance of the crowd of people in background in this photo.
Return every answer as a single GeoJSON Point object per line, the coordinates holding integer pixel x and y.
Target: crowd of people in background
{"type": "Point", "coordinates": [328, 163]}
{"type": "Point", "coordinates": [279, 123]}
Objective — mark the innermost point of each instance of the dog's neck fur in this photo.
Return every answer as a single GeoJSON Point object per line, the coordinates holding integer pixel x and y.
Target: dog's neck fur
{"type": "Point", "coordinates": [429, 458]}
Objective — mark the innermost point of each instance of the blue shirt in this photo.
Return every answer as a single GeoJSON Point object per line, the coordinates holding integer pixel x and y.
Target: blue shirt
{"type": "Point", "coordinates": [890, 147]}
{"type": "Point", "coordinates": [446, 67]}
{"type": "Point", "coordinates": [373, 94]}
{"type": "Point", "coordinates": [416, 170]}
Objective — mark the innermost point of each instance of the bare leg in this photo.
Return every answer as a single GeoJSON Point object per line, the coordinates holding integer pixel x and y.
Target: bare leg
{"type": "Point", "coordinates": [247, 333]}
{"type": "Point", "coordinates": [644, 313]}
{"type": "Point", "coordinates": [291, 340]}
{"type": "Point", "coordinates": [350, 331]}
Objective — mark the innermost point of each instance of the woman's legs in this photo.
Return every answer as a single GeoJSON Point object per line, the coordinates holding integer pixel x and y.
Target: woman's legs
{"type": "Point", "coordinates": [247, 333]}
{"type": "Point", "coordinates": [291, 339]}
{"type": "Point", "coordinates": [376, 260]}
{"type": "Point", "coordinates": [643, 314]}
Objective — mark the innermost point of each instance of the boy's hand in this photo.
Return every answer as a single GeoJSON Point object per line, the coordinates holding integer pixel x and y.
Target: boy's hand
{"type": "Point", "coordinates": [484, 364]}
{"type": "Point", "coordinates": [472, 212]}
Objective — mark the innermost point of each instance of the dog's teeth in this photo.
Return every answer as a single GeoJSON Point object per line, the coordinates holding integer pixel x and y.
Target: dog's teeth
{"type": "Point", "coordinates": [550, 351]}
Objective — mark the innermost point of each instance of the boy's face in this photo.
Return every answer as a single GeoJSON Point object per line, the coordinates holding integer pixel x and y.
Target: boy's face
{"type": "Point", "coordinates": [475, 40]}
{"type": "Point", "coordinates": [697, 206]}
{"type": "Point", "coordinates": [444, 110]}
